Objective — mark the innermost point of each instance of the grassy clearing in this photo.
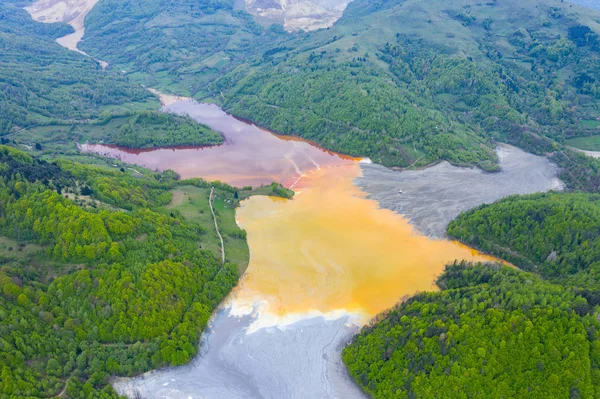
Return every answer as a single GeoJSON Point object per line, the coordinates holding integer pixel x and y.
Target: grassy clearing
{"type": "Point", "coordinates": [591, 124]}
{"type": "Point", "coordinates": [14, 249]}
{"type": "Point", "coordinates": [33, 257]}
{"type": "Point", "coordinates": [590, 143]}
{"type": "Point", "coordinates": [192, 203]}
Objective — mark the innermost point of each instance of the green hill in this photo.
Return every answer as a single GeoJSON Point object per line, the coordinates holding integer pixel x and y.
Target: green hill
{"type": "Point", "coordinates": [105, 273]}
{"type": "Point", "coordinates": [44, 83]}
{"type": "Point", "coordinates": [177, 46]}
{"type": "Point", "coordinates": [554, 234]}
{"type": "Point", "coordinates": [411, 82]}
{"type": "Point", "coordinates": [498, 332]}
{"type": "Point", "coordinates": [490, 333]}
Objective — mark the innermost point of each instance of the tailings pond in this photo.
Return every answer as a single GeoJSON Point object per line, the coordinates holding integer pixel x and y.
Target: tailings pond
{"type": "Point", "coordinates": [321, 264]}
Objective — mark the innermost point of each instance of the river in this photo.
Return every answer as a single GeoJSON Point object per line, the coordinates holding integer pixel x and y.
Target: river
{"type": "Point", "coordinates": [321, 264]}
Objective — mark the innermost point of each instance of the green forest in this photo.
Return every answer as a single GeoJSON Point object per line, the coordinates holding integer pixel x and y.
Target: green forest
{"type": "Point", "coordinates": [99, 276]}
{"type": "Point", "coordinates": [43, 83]}
{"type": "Point", "coordinates": [491, 332]}
{"type": "Point", "coordinates": [496, 331]}
{"type": "Point", "coordinates": [407, 84]}
{"type": "Point", "coordinates": [108, 271]}
{"type": "Point", "coordinates": [578, 171]}
{"type": "Point", "coordinates": [147, 129]}
{"type": "Point", "coordinates": [175, 46]}
{"type": "Point", "coordinates": [555, 234]}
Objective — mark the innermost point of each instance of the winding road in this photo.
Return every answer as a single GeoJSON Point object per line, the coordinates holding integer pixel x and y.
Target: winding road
{"type": "Point", "coordinates": [210, 202]}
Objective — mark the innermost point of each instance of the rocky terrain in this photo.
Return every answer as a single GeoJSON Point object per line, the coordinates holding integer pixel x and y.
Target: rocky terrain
{"type": "Point", "coordinates": [297, 14]}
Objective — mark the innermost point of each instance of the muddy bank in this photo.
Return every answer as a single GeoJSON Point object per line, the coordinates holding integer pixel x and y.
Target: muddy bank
{"type": "Point", "coordinates": [431, 198]}
{"type": "Point", "coordinates": [300, 360]}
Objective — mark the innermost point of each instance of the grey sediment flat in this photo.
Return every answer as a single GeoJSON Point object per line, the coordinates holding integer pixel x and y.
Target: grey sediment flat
{"type": "Point", "coordinates": [301, 360]}
{"type": "Point", "coordinates": [432, 197]}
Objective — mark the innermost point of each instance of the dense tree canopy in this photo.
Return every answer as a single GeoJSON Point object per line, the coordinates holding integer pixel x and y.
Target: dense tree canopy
{"type": "Point", "coordinates": [578, 171]}
{"type": "Point", "coordinates": [110, 292]}
{"type": "Point", "coordinates": [434, 80]}
{"type": "Point", "coordinates": [491, 332]}
{"type": "Point", "coordinates": [148, 129]}
{"type": "Point", "coordinates": [554, 234]}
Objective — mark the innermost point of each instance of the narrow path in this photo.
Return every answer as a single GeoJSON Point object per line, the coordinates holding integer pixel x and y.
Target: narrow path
{"type": "Point", "coordinates": [135, 171]}
{"type": "Point", "coordinates": [60, 395]}
{"type": "Point", "coordinates": [210, 201]}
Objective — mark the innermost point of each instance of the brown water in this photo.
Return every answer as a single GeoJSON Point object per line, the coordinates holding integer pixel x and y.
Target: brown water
{"type": "Point", "coordinates": [250, 156]}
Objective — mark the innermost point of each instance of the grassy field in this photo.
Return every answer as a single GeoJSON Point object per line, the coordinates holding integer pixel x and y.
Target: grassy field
{"type": "Point", "coordinates": [590, 143]}
{"type": "Point", "coordinates": [590, 124]}
{"type": "Point", "coordinates": [12, 248]}
{"type": "Point", "coordinates": [192, 203]}
{"type": "Point", "coordinates": [33, 256]}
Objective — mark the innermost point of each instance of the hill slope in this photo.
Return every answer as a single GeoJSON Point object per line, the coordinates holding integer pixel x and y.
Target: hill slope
{"type": "Point", "coordinates": [177, 46]}
{"type": "Point", "coordinates": [490, 333]}
{"type": "Point", "coordinates": [410, 82]}
{"type": "Point", "coordinates": [554, 234]}
{"type": "Point", "coordinates": [42, 82]}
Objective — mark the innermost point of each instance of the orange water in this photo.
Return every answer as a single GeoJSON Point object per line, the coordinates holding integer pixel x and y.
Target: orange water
{"type": "Point", "coordinates": [331, 248]}
{"type": "Point", "coordinates": [327, 249]}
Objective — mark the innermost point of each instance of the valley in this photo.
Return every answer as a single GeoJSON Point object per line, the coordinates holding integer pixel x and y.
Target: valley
{"type": "Point", "coordinates": [308, 288]}
{"type": "Point", "coordinates": [72, 12]}
{"type": "Point", "coordinates": [334, 199]}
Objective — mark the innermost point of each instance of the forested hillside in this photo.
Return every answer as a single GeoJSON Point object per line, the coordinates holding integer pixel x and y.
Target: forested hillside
{"type": "Point", "coordinates": [177, 46]}
{"type": "Point", "coordinates": [155, 129]}
{"type": "Point", "coordinates": [499, 332]}
{"type": "Point", "coordinates": [491, 332]}
{"type": "Point", "coordinates": [42, 82]}
{"type": "Point", "coordinates": [554, 234]}
{"type": "Point", "coordinates": [408, 82]}
{"type": "Point", "coordinates": [98, 277]}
